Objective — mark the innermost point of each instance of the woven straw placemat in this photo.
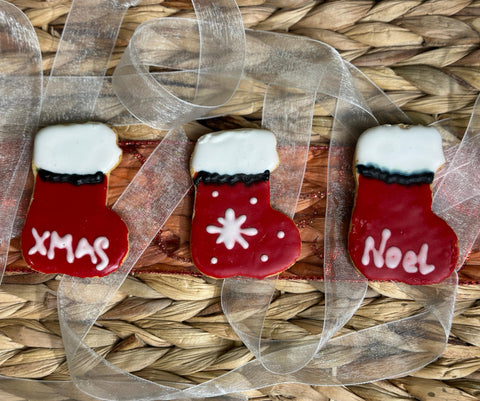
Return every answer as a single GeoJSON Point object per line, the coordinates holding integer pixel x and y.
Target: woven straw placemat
{"type": "Point", "coordinates": [425, 55]}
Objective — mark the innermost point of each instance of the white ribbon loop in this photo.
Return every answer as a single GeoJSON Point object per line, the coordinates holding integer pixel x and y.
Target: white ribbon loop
{"type": "Point", "coordinates": [81, 60]}
{"type": "Point", "coordinates": [20, 97]}
{"type": "Point", "coordinates": [144, 206]}
{"type": "Point", "coordinates": [457, 196]}
{"type": "Point", "coordinates": [20, 100]}
{"type": "Point", "coordinates": [206, 57]}
{"type": "Point", "coordinates": [288, 112]}
{"type": "Point", "coordinates": [158, 187]}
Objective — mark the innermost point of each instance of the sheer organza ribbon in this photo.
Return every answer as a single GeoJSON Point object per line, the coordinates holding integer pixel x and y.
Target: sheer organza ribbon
{"type": "Point", "coordinates": [21, 90]}
{"type": "Point", "coordinates": [208, 63]}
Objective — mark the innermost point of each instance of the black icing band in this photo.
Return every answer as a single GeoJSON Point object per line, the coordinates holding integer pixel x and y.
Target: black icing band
{"type": "Point", "coordinates": [215, 178]}
{"type": "Point", "coordinates": [394, 178]}
{"type": "Point", "coordinates": [75, 179]}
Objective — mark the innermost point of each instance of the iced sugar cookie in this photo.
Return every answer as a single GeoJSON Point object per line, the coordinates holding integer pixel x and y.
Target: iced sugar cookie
{"type": "Point", "coordinates": [69, 228]}
{"type": "Point", "coordinates": [394, 235]}
{"type": "Point", "coordinates": [235, 231]}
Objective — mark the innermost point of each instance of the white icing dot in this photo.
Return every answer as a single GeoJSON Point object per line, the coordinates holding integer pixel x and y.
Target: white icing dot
{"type": "Point", "coordinates": [215, 194]}
{"type": "Point", "coordinates": [213, 261]}
{"type": "Point", "coordinates": [280, 234]}
{"type": "Point", "coordinates": [264, 258]}
{"type": "Point", "coordinates": [253, 200]}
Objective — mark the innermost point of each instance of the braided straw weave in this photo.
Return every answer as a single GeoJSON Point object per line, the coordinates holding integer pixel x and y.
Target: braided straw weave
{"type": "Point", "coordinates": [167, 327]}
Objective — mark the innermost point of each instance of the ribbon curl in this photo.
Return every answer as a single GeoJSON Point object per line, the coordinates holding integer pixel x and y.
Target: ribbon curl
{"type": "Point", "coordinates": [20, 97]}
{"type": "Point", "coordinates": [204, 64]}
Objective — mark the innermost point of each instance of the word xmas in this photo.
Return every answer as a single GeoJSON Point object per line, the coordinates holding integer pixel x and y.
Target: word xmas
{"type": "Point", "coordinates": [393, 256]}
{"type": "Point", "coordinates": [83, 248]}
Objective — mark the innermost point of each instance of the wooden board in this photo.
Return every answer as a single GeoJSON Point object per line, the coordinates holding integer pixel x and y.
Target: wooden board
{"type": "Point", "coordinates": [169, 253]}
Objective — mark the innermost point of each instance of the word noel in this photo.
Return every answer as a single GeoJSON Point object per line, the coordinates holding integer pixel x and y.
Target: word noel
{"type": "Point", "coordinates": [83, 247]}
{"type": "Point", "coordinates": [393, 256]}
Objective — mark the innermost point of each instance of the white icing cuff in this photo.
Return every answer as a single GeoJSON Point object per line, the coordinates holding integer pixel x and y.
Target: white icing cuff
{"type": "Point", "coordinates": [76, 149]}
{"type": "Point", "coordinates": [247, 151]}
{"type": "Point", "coordinates": [401, 150]}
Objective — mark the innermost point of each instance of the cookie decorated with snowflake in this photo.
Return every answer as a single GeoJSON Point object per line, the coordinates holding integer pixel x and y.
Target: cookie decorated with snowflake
{"type": "Point", "coordinates": [235, 231]}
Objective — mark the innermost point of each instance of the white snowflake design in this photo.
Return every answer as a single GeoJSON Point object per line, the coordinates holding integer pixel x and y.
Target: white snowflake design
{"type": "Point", "coordinates": [231, 230]}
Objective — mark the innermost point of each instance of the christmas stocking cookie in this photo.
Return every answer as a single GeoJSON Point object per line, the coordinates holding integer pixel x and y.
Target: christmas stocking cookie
{"type": "Point", "coordinates": [235, 231]}
{"type": "Point", "coordinates": [394, 235]}
{"type": "Point", "coordinates": [68, 228]}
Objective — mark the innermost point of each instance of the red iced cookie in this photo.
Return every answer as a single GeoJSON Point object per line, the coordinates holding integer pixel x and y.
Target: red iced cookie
{"type": "Point", "coordinates": [394, 235]}
{"type": "Point", "coordinates": [235, 231]}
{"type": "Point", "coordinates": [68, 228]}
